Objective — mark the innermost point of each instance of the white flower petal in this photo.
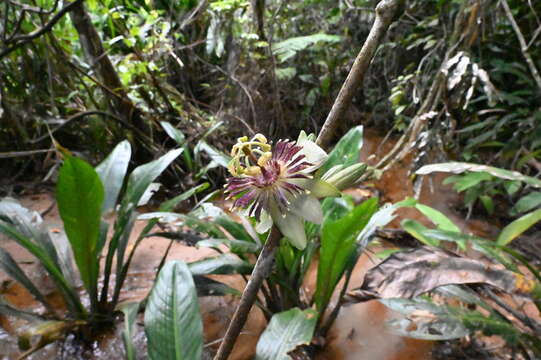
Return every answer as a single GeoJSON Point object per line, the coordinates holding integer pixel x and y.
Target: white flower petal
{"type": "Point", "coordinates": [264, 224]}
{"type": "Point", "coordinates": [307, 207]}
{"type": "Point", "coordinates": [291, 226]}
{"type": "Point", "coordinates": [313, 153]}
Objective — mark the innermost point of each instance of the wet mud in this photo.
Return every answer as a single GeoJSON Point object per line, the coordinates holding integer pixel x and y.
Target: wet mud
{"type": "Point", "coordinates": [359, 332]}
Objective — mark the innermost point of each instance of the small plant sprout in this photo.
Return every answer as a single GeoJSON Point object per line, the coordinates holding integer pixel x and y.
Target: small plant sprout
{"type": "Point", "coordinates": [276, 183]}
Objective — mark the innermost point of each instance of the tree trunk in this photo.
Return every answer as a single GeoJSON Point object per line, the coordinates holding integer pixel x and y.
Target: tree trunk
{"type": "Point", "coordinates": [258, 9]}
{"type": "Point", "coordinates": [119, 103]}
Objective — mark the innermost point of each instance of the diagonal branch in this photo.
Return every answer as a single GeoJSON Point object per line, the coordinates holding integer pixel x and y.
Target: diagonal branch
{"type": "Point", "coordinates": [523, 44]}
{"type": "Point", "coordinates": [385, 13]}
{"type": "Point", "coordinates": [262, 269]}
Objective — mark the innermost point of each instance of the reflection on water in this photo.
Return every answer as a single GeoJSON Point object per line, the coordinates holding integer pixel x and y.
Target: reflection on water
{"type": "Point", "coordinates": [358, 334]}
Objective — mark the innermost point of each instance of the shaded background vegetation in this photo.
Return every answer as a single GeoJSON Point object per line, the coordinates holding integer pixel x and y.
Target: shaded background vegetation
{"type": "Point", "coordinates": [97, 71]}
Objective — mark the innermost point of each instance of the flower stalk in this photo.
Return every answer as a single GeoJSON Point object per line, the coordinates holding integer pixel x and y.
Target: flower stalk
{"type": "Point", "coordinates": [262, 269]}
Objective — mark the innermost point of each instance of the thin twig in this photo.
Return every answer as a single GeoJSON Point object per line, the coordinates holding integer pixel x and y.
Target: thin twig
{"type": "Point", "coordinates": [34, 9]}
{"type": "Point", "coordinates": [14, 154]}
{"type": "Point", "coordinates": [23, 39]}
{"type": "Point", "coordinates": [261, 270]}
{"type": "Point", "coordinates": [74, 117]}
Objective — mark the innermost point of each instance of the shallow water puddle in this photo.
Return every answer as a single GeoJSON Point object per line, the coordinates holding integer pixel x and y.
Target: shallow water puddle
{"type": "Point", "coordinates": [359, 332]}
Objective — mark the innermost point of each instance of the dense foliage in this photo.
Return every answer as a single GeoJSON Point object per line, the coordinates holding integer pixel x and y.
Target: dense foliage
{"type": "Point", "coordinates": [457, 82]}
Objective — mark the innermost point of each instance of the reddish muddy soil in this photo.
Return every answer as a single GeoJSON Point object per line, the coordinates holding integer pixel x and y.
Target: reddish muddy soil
{"type": "Point", "coordinates": [359, 332]}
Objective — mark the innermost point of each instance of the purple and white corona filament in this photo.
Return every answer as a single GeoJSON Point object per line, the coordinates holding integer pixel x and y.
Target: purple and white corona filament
{"type": "Point", "coordinates": [278, 182]}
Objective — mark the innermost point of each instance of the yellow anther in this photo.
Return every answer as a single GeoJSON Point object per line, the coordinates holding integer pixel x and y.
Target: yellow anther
{"type": "Point", "coordinates": [253, 171]}
{"type": "Point", "coordinates": [242, 139]}
{"type": "Point", "coordinates": [259, 138]}
{"type": "Point", "coordinates": [264, 158]}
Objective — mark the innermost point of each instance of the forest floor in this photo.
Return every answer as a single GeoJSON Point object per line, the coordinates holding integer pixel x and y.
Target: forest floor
{"type": "Point", "coordinates": [359, 331]}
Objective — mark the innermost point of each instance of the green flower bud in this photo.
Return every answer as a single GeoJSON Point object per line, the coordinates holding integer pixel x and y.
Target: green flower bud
{"type": "Point", "coordinates": [347, 177]}
{"type": "Point", "coordinates": [332, 171]}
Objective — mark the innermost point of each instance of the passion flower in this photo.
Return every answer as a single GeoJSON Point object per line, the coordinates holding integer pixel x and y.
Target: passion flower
{"type": "Point", "coordinates": [275, 183]}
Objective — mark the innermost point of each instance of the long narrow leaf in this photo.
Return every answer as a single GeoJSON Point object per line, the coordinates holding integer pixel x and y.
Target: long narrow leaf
{"type": "Point", "coordinates": [130, 315]}
{"type": "Point", "coordinates": [460, 167]}
{"type": "Point", "coordinates": [338, 248]}
{"type": "Point", "coordinates": [112, 172]}
{"type": "Point", "coordinates": [517, 227]}
{"type": "Point", "coordinates": [10, 267]}
{"type": "Point", "coordinates": [9, 310]}
{"type": "Point", "coordinates": [138, 182]}
{"type": "Point", "coordinates": [144, 175]}
{"type": "Point", "coordinates": [222, 264]}
{"type": "Point", "coordinates": [65, 287]}
{"type": "Point", "coordinates": [173, 133]}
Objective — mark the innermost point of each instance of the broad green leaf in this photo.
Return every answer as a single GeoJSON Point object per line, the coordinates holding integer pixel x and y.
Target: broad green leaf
{"type": "Point", "coordinates": [339, 248]}
{"type": "Point", "coordinates": [417, 230]}
{"type": "Point", "coordinates": [139, 181]}
{"type": "Point", "coordinates": [512, 186]}
{"type": "Point", "coordinates": [80, 196]}
{"type": "Point", "coordinates": [10, 267]}
{"type": "Point", "coordinates": [173, 133]}
{"type": "Point", "coordinates": [286, 74]}
{"type": "Point", "coordinates": [112, 172]}
{"type": "Point", "coordinates": [346, 152]}
{"type": "Point", "coordinates": [285, 332]}
{"type": "Point", "coordinates": [141, 178]}
{"type": "Point", "coordinates": [528, 202]}
{"type": "Point", "coordinates": [517, 227]}
{"type": "Point", "coordinates": [130, 315]}
{"type": "Point", "coordinates": [172, 320]}
{"type": "Point", "coordinates": [220, 265]}
{"type": "Point", "coordinates": [460, 167]}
